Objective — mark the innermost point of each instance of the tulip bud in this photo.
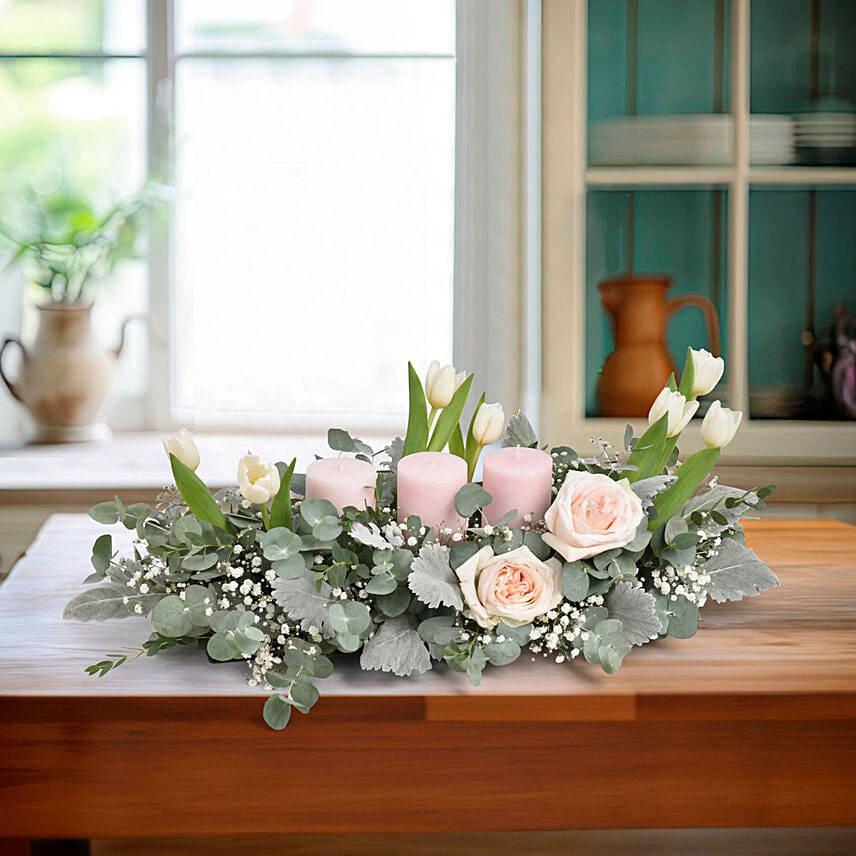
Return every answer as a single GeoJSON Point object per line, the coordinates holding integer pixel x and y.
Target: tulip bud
{"type": "Point", "coordinates": [488, 424]}
{"type": "Point", "coordinates": [679, 411]}
{"type": "Point", "coordinates": [707, 371]}
{"type": "Point", "coordinates": [181, 445]}
{"type": "Point", "coordinates": [719, 425]}
{"type": "Point", "coordinates": [257, 482]}
{"type": "Point", "coordinates": [441, 382]}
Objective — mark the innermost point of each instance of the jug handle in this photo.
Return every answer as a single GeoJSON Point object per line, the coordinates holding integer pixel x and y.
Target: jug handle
{"type": "Point", "coordinates": [710, 316]}
{"type": "Point", "coordinates": [12, 340]}
{"type": "Point", "coordinates": [138, 316]}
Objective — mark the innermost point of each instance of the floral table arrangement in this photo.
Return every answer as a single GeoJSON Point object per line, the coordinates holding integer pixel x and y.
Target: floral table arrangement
{"type": "Point", "coordinates": [400, 558]}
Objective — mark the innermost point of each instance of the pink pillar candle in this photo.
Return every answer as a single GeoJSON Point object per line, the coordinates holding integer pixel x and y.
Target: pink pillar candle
{"type": "Point", "coordinates": [521, 478]}
{"type": "Point", "coordinates": [342, 481]}
{"type": "Point", "coordinates": [427, 484]}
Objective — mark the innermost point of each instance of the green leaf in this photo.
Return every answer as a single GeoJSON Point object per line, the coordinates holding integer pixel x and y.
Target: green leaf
{"type": "Point", "coordinates": [502, 653]}
{"type": "Point", "coordinates": [108, 601]}
{"type": "Point", "coordinates": [313, 510]}
{"type": "Point", "coordinates": [383, 583]}
{"type": "Point", "coordinates": [196, 495]}
{"type": "Point", "coordinates": [171, 617]}
{"type": "Point", "coordinates": [328, 528]}
{"type": "Point", "coordinates": [392, 605]}
{"type": "Point", "coordinates": [636, 610]}
{"type": "Point", "coordinates": [691, 474]}
{"type": "Point", "coordinates": [472, 448]}
{"type": "Point", "coordinates": [280, 543]}
{"type": "Point", "coordinates": [416, 438]}
{"type": "Point", "coordinates": [290, 568]}
{"type": "Point", "coordinates": [456, 443]}
{"type": "Point", "coordinates": [519, 634]}
{"type": "Point", "coordinates": [199, 561]}
{"type": "Point", "coordinates": [470, 498]}
{"type": "Point", "coordinates": [349, 617]}
{"type": "Point", "coordinates": [449, 417]}
{"type": "Point", "coordinates": [303, 695]}
{"type": "Point", "coordinates": [687, 377]}
{"type": "Point", "coordinates": [280, 509]}
{"type": "Point", "coordinates": [277, 712]}
{"type": "Point", "coordinates": [222, 646]}
{"type": "Point", "coordinates": [107, 512]}
{"type": "Point", "coordinates": [683, 618]}
{"type": "Point", "coordinates": [575, 581]}
{"type": "Point", "coordinates": [303, 601]}
{"type": "Point", "coordinates": [649, 450]}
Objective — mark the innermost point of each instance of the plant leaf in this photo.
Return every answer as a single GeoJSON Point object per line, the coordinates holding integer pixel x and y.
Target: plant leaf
{"type": "Point", "coordinates": [519, 432]}
{"type": "Point", "coordinates": [303, 601]}
{"type": "Point", "coordinates": [416, 438]}
{"type": "Point", "coordinates": [196, 495]}
{"type": "Point", "coordinates": [636, 610]}
{"type": "Point", "coordinates": [687, 376]}
{"type": "Point", "coordinates": [108, 601]}
{"type": "Point", "coordinates": [736, 572]}
{"type": "Point", "coordinates": [369, 535]}
{"type": "Point", "coordinates": [432, 579]}
{"type": "Point", "coordinates": [470, 498]}
{"type": "Point", "coordinates": [450, 417]}
{"type": "Point", "coordinates": [280, 509]}
{"type": "Point", "coordinates": [691, 473]}
{"type": "Point", "coordinates": [646, 489]}
{"type": "Point", "coordinates": [648, 450]}
{"type": "Point", "coordinates": [396, 647]}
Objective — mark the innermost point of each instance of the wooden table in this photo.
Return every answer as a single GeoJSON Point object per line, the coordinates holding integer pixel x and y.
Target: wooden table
{"type": "Point", "coordinates": [749, 723]}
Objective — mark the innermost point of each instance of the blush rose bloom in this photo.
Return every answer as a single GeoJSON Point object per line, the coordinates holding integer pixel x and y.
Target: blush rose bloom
{"type": "Point", "coordinates": [514, 587]}
{"type": "Point", "coordinates": [591, 514]}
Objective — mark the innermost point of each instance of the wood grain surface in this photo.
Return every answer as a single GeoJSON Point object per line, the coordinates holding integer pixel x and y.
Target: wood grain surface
{"type": "Point", "coordinates": [749, 723]}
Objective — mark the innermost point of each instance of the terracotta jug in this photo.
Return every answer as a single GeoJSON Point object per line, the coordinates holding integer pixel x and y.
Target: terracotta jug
{"type": "Point", "coordinates": [65, 377]}
{"type": "Point", "coordinates": [638, 368]}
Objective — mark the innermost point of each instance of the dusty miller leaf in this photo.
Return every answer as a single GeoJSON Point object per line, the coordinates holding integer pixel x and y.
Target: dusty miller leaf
{"type": "Point", "coordinates": [519, 432]}
{"type": "Point", "coordinates": [369, 535]}
{"type": "Point", "coordinates": [647, 489]}
{"type": "Point", "coordinates": [736, 572]}
{"type": "Point", "coordinates": [304, 602]}
{"type": "Point", "coordinates": [108, 601]}
{"type": "Point", "coordinates": [432, 579]}
{"type": "Point", "coordinates": [396, 647]}
{"type": "Point", "coordinates": [395, 452]}
{"type": "Point", "coordinates": [636, 609]}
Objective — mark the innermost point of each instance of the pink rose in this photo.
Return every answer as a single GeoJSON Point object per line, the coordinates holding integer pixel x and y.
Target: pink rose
{"type": "Point", "coordinates": [591, 514]}
{"type": "Point", "coordinates": [514, 587]}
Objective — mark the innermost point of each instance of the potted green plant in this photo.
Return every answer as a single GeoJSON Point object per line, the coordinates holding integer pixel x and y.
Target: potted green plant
{"type": "Point", "coordinates": [70, 251]}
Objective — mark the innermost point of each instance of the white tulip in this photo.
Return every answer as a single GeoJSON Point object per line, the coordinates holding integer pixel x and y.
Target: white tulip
{"type": "Point", "coordinates": [679, 410]}
{"type": "Point", "coordinates": [707, 371]}
{"type": "Point", "coordinates": [257, 482]}
{"type": "Point", "coordinates": [488, 424]}
{"type": "Point", "coordinates": [181, 445]}
{"type": "Point", "coordinates": [720, 425]}
{"type": "Point", "coordinates": [441, 383]}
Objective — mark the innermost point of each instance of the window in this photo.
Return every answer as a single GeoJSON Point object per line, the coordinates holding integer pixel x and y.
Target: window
{"type": "Point", "coordinates": [311, 147]}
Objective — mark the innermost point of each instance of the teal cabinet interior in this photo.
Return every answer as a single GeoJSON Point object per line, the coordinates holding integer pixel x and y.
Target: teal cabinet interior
{"type": "Point", "coordinates": [680, 233]}
{"type": "Point", "coordinates": [656, 57]}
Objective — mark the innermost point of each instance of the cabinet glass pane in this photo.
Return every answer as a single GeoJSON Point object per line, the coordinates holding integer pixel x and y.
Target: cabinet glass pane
{"type": "Point", "coordinates": [802, 266]}
{"type": "Point", "coordinates": [651, 234]}
{"type": "Point", "coordinates": [803, 76]}
{"type": "Point", "coordinates": [657, 79]}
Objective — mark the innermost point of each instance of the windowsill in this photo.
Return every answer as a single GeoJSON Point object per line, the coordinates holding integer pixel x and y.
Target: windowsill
{"type": "Point", "coordinates": [136, 461]}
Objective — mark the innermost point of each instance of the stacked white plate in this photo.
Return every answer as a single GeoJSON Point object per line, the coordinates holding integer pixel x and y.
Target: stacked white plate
{"type": "Point", "coordinates": [826, 130]}
{"type": "Point", "coordinates": [771, 140]}
{"type": "Point", "coordinates": [704, 139]}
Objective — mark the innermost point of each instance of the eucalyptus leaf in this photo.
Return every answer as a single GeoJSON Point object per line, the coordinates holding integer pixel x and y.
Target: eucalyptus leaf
{"type": "Point", "coordinates": [277, 712]}
{"type": "Point", "coordinates": [575, 581]}
{"type": "Point", "coordinates": [470, 498]}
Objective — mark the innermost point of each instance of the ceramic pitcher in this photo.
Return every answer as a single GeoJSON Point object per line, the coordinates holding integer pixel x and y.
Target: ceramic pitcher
{"type": "Point", "coordinates": [638, 368]}
{"type": "Point", "coordinates": [65, 377]}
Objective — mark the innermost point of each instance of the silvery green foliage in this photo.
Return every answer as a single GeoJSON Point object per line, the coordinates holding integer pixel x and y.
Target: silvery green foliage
{"type": "Point", "coordinates": [303, 601]}
{"type": "Point", "coordinates": [736, 572]}
{"type": "Point", "coordinates": [636, 610]}
{"type": "Point", "coordinates": [432, 579]}
{"type": "Point", "coordinates": [519, 432]}
{"type": "Point", "coordinates": [108, 601]}
{"type": "Point", "coordinates": [396, 647]}
{"type": "Point", "coordinates": [395, 453]}
{"type": "Point", "coordinates": [369, 535]}
{"type": "Point", "coordinates": [647, 489]}
{"type": "Point", "coordinates": [714, 500]}
{"type": "Point", "coordinates": [340, 440]}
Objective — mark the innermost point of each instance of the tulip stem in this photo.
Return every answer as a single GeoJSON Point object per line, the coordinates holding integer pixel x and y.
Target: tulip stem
{"type": "Point", "coordinates": [431, 418]}
{"type": "Point", "coordinates": [265, 515]}
{"type": "Point", "coordinates": [472, 461]}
